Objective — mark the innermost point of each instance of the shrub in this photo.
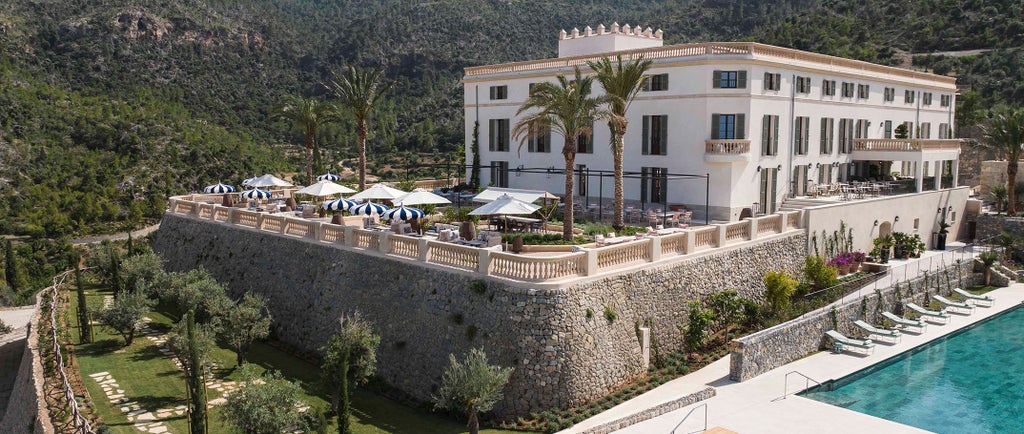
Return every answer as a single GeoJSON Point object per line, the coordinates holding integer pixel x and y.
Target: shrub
{"type": "Point", "coordinates": [819, 274]}
{"type": "Point", "coordinates": [590, 313]}
{"type": "Point", "coordinates": [779, 287]}
{"type": "Point", "coordinates": [699, 321]}
{"type": "Point", "coordinates": [610, 314]}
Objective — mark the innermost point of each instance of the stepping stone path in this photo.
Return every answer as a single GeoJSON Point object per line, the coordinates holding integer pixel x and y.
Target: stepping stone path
{"type": "Point", "coordinates": [142, 419]}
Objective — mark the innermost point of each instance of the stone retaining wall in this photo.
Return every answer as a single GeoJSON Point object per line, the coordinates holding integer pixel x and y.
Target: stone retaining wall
{"type": "Point", "coordinates": [652, 412]}
{"type": "Point", "coordinates": [768, 349]}
{"type": "Point", "coordinates": [25, 411]}
{"type": "Point", "coordinates": [990, 226]}
{"type": "Point", "coordinates": [564, 350]}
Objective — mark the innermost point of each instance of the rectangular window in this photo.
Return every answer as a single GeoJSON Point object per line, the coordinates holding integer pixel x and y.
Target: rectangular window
{"type": "Point", "coordinates": [530, 88]}
{"type": "Point", "coordinates": [585, 143]}
{"type": "Point", "coordinates": [828, 132]}
{"type": "Point", "coordinates": [944, 100]}
{"type": "Point", "coordinates": [499, 92]}
{"type": "Point", "coordinates": [863, 91]}
{"type": "Point", "coordinates": [862, 129]}
{"type": "Point", "coordinates": [801, 135]}
{"type": "Point", "coordinates": [656, 83]}
{"type": "Point", "coordinates": [729, 80]}
{"type": "Point", "coordinates": [655, 135]}
{"type": "Point", "coordinates": [926, 98]}
{"type": "Point", "coordinates": [926, 130]}
{"type": "Point", "coordinates": [847, 90]}
{"type": "Point", "coordinates": [944, 132]}
{"type": "Point", "coordinates": [499, 173]}
{"type": "Point", "coordinates": [770, 135]}
{"type": "Point", "coordinates": [888, 129]}
{"type": "Point", "coordinates": [654, 184]}
{"type": "Point", "coordinates": [772, 81]}
{"type": "Point", "coordinates": [908, 97]}
{"type": "Point", "coordinates": [803, 85]}
{"type": "Point", "coordinates": [540, 142]}
{"type": "Point", "coordinates": [728, 126]}
{"type": "Point", "coordinates": [828, 87]}
{"type": "Point", "coordinates": [890, 94]}
{"type": "Point", "coordinates": [498, 134]}
{"type": "Point", "coordinates": [845, 136]}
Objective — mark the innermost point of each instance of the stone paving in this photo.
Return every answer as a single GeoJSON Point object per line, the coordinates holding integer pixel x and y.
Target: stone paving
{"type": "Point", "coordinates": [142, 419]}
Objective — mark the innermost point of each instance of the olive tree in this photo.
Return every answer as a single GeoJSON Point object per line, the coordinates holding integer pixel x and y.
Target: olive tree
{"type": "Point", "coordinates": [244, 323]}
{"type": "Point", "coordinates": [265, 404]}
{"type": "Point", "coordinates": [348, 356]}
{"type": "Point", "coordinates": [471, 386]}
{"type": "Point", "coordinates": [125, 314]}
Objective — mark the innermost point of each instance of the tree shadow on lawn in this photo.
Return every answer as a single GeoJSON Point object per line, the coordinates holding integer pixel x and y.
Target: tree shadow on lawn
{"type": "Point", "coordinates": [100, 348]}
{"type": "Point", "coordinates": [148, 353]}
{"type": "Point", "coordinates": [154, 403]}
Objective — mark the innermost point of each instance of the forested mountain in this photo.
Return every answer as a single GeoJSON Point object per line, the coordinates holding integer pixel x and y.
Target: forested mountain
{"type": "Point", "coordinates": [106, 106]}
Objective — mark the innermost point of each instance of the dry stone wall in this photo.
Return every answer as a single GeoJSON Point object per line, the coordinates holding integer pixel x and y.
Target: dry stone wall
{"type": "Point", "coordinates": [768, 349]}
{"type": "Point", "coordinates": [25, 412]}
{"type": "Point", "coordinates": [564, 350]}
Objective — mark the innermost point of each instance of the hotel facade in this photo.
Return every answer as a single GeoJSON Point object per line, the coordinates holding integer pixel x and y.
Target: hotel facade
{"type": "Point", "coordinates": [735, 125]}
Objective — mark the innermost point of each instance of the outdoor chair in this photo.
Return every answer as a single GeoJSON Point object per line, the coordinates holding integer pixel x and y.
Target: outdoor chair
{"type": "Point", "coordinates": [308, 211]}
{"type": "Point", "coordinates": [976, 299]}
{"type": "Point", "coordinates": [894, 335]}
{"type": "Point", "coordinates": [930, 315]}
{"type": "Point", "coordinates": [841, 342]}
{"type": "Point", "coordinates": [955, 305]}
{"type": "Point", "coordinates": [903, 323]}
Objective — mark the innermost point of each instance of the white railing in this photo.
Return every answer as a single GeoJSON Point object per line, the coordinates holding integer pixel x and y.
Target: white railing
{"type": "Point", "coordinates": [536, 269]}
{"type": "Point", "coordinates": [493, 262]}
{"type": "Point", "coordinates": [906, 144]}
{"type": "Point", "coordinates": [727, 147]}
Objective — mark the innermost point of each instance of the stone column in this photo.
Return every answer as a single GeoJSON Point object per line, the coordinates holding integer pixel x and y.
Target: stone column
{"type": "Point", "coordinates": [938, 175]}
{"type": "Point", "coordinates": [919, 175]}
{"type": "Point", "coordinates": [955, 170]}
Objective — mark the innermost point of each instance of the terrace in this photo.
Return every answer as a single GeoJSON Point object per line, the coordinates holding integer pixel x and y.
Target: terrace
{"type": "Point", "coordinates": [539, 268]}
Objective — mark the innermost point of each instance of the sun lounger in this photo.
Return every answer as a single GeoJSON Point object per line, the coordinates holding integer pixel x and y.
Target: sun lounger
{"type": "Point", "coordinates": [976, 299]}
{"type": "Point", "coordinates": [841, 342]}
{"type": "Point", "coordinates": [950, 304]}
{"type": "Point", "coordinates": [905, 322]}
{"type": "Point", "coordinates": [879, 332]}
{"type": "Point", "coordinates": [930, 315]}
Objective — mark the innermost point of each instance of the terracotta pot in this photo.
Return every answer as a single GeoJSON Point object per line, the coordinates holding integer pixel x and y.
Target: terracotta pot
{"type": "Point", "coordinates": [855, 266]}
{"type": "Point", "coordinates": [844, 269]}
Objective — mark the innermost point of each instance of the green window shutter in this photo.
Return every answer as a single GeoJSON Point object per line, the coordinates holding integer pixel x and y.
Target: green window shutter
{"type": "Point", "coordinates": [645, 137]}
{"type": "Point", "coordinates": [716, 79]}
{"type": "Point", "coordinates": [775, 135]}
{"type": "Point", "coordinates": [768, 81]}
{"type": "Point", "coordinates": [714, 126]}
{"type": "Point", "coordinates": [741, 126]}
{"type": "Point", "coordinates": [766, 123]}
{"type": "Point", "coordinates": [741, 79]}
{"type": "Point", "coordinates": [664, 136]}
{"type": "Point", "coordinates": [531, 144]}
{"type": "Point", "coordinates": [504, 134]}
{"type": "Point", "coordinates": [491, 134]}
{"type": "Point", "coordinates": [547, 141]}
{"type": "Point", "coordinates": [824, 136]}
{"type": "Point", "coordinates": [664, 81]}
{"type": "Point", "coordinates": [644, 179]}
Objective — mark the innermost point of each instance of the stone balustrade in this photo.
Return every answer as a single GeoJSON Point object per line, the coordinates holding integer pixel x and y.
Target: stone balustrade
{"type": "Point", "coordinates": [555, 269]}
{"type": "Point", "coordinates": [906, 144]}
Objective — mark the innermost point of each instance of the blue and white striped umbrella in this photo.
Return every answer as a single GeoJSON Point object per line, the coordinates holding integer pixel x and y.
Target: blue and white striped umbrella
{"type": "Point", "coordinates": [256, 194]}
{"type": "Point", "coordinates": [369, 208]}
{"type": "Point", "coordinates": [403, 213]}
{"type": "Point", "coordinates": [329, 177]}
{"type": "Point", "coordinates": [219, 188]}
{"type": "Point", "coordinates": [339, 205]}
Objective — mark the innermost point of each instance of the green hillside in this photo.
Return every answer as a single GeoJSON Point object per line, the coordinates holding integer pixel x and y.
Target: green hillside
{"type": "Point", "coordinates": [110, 105]}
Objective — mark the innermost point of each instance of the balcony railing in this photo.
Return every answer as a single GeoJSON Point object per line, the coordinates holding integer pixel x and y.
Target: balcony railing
{"type": "Point", "coordinates": [554, 270]}
{"type": "Point", "coordinates": [727, 146]}
{"type": "Point", "coordinates": [914, 145]}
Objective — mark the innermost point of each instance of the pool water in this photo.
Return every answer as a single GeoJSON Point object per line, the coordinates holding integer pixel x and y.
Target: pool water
{"type": "Point", "coordinates": [968, 382]}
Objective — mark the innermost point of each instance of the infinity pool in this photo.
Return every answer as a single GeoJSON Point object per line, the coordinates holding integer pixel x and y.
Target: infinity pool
{"type": "Point", "coordinates": [969, 382]}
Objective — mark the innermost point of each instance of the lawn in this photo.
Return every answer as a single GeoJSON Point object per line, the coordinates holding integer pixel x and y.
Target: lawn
{"type": "Point", "coordinates": [151, 379]}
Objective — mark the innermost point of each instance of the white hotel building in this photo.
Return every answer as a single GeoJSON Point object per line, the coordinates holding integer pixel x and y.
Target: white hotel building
{"type": "Point", "coordinates": [762, 122]}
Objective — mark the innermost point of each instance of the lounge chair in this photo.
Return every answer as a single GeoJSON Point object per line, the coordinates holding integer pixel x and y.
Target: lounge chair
{"type": "Point", "coordinates": [930, 315]}
{"type": "Point", "coordinates": [879, 332]}
{"type": "Point", "coordinates": [904, 322]}
{"type": "Point", "coordinates": [956, 305]}
{"type": "Point", "coordinates": [841, 342]}
{"type": "Point", "coordinates": [976, 299]}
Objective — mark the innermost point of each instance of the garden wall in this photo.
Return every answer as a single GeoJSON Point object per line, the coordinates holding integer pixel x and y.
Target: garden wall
{"type": "Point", "coordinates": [768, 349]}
{"type": "Point", "coordinates": [990, 226]}
{"type": "Point", "coordinates": [24, 412]}
{"type": "Point", "coordinates": [564, 349]}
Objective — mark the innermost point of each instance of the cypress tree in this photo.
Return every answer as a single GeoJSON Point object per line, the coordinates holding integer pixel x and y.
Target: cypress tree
{"type": "Point", "coordinates": [12, 272]}
{"type": "Point", "coordinates": [84, 331]}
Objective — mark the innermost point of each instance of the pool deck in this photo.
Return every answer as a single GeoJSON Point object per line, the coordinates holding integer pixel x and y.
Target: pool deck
{"type": "Point", "coordinates": [756, 405]}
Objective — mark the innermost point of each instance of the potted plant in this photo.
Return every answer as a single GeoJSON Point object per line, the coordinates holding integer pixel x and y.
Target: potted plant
{"type": "Point", "coordinates": [842, 263]}
{"type": "Point", "coordinates": [940, 237]}
{"type": "Point", "coordinates": [858, 258]}
{"type": "Point", "coordinates": [915, 246]}
{"type": "Point", "coordinates": [899, 245]}
{"type": "Point", "coordinates": [882, 246]}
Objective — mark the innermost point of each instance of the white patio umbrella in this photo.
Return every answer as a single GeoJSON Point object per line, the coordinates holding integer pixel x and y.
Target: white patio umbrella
{"type": "Point", "coordinates": [420, 196]}
{"type": "Point", "coordinates": [378, 191]}
{"type": "Point", "coordinates": [324, 188]}
{"type": "Point", "coordinates": [505, 205]}
{"type": "Point", "coordinates": [268, 180]}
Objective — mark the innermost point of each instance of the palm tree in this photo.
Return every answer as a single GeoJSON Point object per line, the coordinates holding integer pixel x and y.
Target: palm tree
{"type": "Point", "coordinates": [309, 114]}
{"type": "Point", "coordinates": [566, 108]}
{"type": "Point", "coordinates": [1004, 134]}
{"type": "Point", "coordinates": [622, 83]}
{"type": "Point", "coordinates": [359, 91]}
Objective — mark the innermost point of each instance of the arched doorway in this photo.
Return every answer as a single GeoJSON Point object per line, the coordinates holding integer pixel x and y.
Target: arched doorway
{"type": "Point", "coordinates": [884, 229]}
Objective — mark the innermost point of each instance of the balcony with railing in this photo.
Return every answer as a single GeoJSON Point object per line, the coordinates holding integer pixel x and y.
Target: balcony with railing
{"type": "Point", "coordinates": [727, 151]}
{"type": "Point", "coordinates": [906, 145]}
{"type": "Point", "coordinates": [550, 269]}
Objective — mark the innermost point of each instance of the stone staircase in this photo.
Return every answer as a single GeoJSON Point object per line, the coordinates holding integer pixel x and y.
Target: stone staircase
{"type": "Point", "coordinates": [802, 202]}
